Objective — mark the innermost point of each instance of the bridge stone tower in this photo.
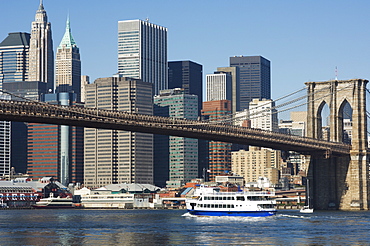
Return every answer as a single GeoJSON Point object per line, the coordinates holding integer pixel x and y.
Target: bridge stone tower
{"type": "Point", "coordinates": [339, 182]}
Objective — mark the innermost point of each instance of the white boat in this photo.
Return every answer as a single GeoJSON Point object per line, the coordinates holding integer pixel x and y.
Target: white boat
{"type": "Point", "coordinates": [52, 202]}
{"type": "Point", "coordinates": [307, 209]}
{"type": "Point", "coordinates": [107, 201]}
{"type": "Point", "coordinates": [209, 201]}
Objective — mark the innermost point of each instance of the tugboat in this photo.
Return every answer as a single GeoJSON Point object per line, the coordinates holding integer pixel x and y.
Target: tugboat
{"type": "Point", "coordinates": [54, 202]}
{"type": "Point", "coordinates": [209, 201]}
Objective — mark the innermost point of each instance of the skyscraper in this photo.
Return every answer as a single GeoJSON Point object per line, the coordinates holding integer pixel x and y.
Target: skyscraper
{"type": "Point", "coordinates": [142, 52]}
{"type": "Point", "coordinates": [113, 156]}
{"type": "Point", "coordinates": [218, 86]}
{"type": "Point", "coordinates": [254, 78]}
{"type": "Point", "coordinates": [187, 75]}
{"type": "Point", "coordinates": [68, 65]}
{"type": "Point", "coordinates": [41, 59]}
{"type": "Point", "coordinates": [56, 150]}
{"type": "Point", "coordinates": [183, 152]}
{"type": "Point", "coordinates": [219, 152]}
{"type": "Point", "coordinates": [14, 53]}
{"type": "Point", "coordinates": [235, 86]}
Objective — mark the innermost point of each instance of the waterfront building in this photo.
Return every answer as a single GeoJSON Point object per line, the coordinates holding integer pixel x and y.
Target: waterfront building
{"type": "Point", "coordinates": [183, 152]}
{"type": "Point", "coordinates": [256, 163]}
{"type": "Point", "coordinates": [56, 150]}
{"type": "Point", "coordinates": [41, 57]}
{"type": "Point", "coordinates": [219, 152]}
{"type": "Point", "coordinates": [142, 52]}
{"type": "Point", "coordinates": [235, 87]}
{"type": "Point", "coordinates": [113, 156]}
{"type": "Point", "coordinates": [68, 65]}
{"type": "Point", "coordinates": [254, 78]}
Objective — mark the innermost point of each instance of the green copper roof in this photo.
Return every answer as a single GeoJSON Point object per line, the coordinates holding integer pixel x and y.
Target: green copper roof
{"type": "Point", "coordinates": [67, 39]}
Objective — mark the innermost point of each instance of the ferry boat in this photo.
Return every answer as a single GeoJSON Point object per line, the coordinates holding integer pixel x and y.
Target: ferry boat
{"type": "Point", "coordinates": [54, 202]}
{"type": "Point", "coordinates": [209, 201]}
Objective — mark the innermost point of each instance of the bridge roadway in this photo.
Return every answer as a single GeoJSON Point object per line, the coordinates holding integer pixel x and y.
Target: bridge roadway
{"type": "Point", "coordinates": [38, 112]}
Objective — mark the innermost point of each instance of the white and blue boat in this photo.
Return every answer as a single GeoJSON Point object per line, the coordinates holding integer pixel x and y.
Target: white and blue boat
{"type": "Point", "coordinates": [209, 201]}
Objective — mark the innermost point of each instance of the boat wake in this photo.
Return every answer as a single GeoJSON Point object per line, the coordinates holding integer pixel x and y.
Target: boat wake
{"type": "Point", "coordinates": [292, 216]}
{"type": "Point", "coordinates": [228, 218]}
{"type": "Point", "coordinates": [189, 215]}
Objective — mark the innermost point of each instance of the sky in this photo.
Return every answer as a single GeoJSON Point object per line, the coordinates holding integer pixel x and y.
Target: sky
{"type": "Point", "coordinates": [304, 40]}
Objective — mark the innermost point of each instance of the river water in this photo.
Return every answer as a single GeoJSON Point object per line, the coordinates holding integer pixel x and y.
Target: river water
{"type": "Point", "coordinates": [176, 227]}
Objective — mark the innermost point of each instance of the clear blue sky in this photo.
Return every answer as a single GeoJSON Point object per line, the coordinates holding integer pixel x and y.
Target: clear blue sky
{"type": "Point", "coordinates": [304, 40]}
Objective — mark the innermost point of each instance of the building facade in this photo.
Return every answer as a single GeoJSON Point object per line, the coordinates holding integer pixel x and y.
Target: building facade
{"type": "Point", "coordinates": [14, 55]}
{"type": "Point", "coordinates": [218, 86]}
{"type": "Point", "coordinates": [263, 115]}
{"type": "Point", "coordinates": [254, 78]}
{"type": "Point", "coordinates": [183, 152]}
{"type": "Point", "coordinates": [68, 65]}
{"type": "Point", "coordinates": [56, 150]}
{"type": "Point", "coordinates": [219, 152]}
{"type": "Point", "coordinates": [256, 163]}
{"type": "Point", "coordinates": [85, 80]}
{"type": "Point", "coordinates": [235, 87]}
{"type": "Point", "coordinates": [113, 156]}
{"type": "Point", "coordinates": [187, 75]}
{"type": "Point", "coordinates": [41, 58]}
{"type": "Point", "coordinates": [142, 52]}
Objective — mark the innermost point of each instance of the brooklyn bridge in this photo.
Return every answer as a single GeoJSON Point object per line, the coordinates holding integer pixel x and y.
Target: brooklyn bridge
{"type": "Point", "coordinates": [340, 172]}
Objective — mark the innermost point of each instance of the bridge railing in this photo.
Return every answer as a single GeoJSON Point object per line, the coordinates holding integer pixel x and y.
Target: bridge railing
{"type": "Point", "coordinates": [23, 110]}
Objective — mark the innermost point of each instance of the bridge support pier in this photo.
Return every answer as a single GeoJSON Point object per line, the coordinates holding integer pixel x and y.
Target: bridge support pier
{"type": "Point", "coordinates": [340, 182]}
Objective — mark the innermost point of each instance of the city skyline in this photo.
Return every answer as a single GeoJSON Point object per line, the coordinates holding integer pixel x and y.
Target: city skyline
{"type": "Point", "coordinates": [304, 41]}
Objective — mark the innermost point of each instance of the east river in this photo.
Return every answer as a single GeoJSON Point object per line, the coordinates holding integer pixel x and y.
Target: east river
{"type": "Point", "coordinates": [175, 227]}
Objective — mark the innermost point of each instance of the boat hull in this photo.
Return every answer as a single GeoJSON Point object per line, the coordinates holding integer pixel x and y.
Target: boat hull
{"type": "Point", "coordinates": [52, 207]}
{"type": "Point", "coordinates": [233, 213]}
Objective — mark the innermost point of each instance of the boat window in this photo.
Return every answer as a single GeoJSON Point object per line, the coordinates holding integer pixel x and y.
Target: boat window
{"type": "Point", "coordinates": [232, 205]}
{"type": "Point", "coordinates": [228, 206]}
{"type": "Point", "coordinates": [228, 198]}
{"type": "Point", "coordinates": [212, 205]}
{"type": "Point", "coordinates": [224, 205]}
{"type": "Point", "coordinates": [240, 198]}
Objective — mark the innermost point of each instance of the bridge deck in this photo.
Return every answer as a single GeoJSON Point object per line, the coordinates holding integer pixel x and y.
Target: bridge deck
{"type": "Point", "coordinates": [118, 120]}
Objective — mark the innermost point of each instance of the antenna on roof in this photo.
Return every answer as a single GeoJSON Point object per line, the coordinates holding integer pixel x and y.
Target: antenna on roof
{"type": "Point", "coordinates": [147, 19]}
{"type": "Point", "coordinates": [336, 73]}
